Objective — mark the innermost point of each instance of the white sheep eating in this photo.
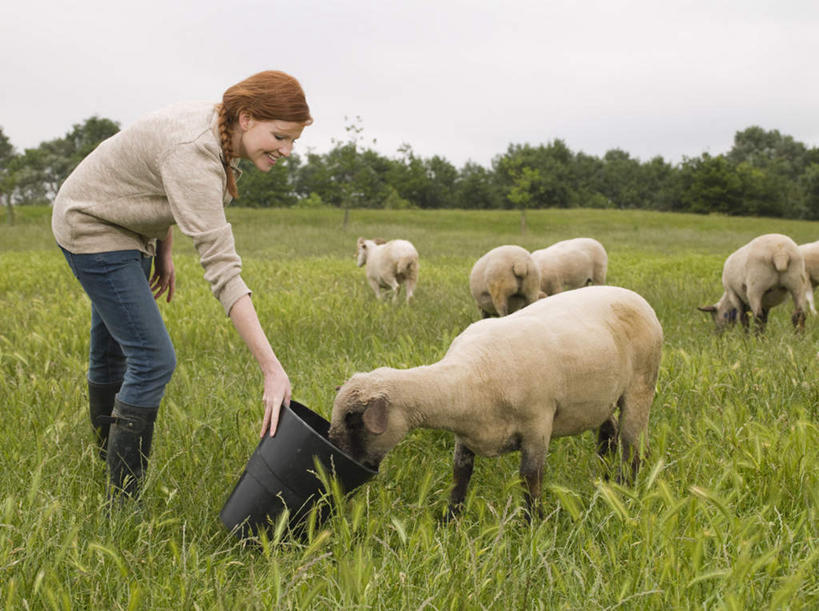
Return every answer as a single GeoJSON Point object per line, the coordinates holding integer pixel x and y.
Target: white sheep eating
{"type": "Point", "coordinates": [558, 367]}
{"type": "Point", "coordinates": [504, 280]}
{"type": "Point", "coordinates": [389, 265]}
{"type": "Point", "coordinates": [810, 252]}
{"type": "Point", "coordinates": [571, 264]}
{"type": "Point", "coordinates": [757, 277]}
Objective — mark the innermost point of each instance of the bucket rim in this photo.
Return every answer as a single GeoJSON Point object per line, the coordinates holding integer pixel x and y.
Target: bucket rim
{"type": "Point", "coordinates": [325, 440]}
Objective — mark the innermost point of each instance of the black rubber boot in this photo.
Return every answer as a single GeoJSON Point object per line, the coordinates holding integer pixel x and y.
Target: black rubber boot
{"type": "Point", "coordinates": [129, 445]}
{"type": "Point", "coordinates": [101, 404]}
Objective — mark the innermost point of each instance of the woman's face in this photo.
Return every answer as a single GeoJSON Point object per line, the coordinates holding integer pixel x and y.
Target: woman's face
{"type": "Point", "coordinates": [265, 142]}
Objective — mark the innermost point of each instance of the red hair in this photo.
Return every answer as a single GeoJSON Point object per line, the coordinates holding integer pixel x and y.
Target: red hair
{"type": "Point", "coordinates": [267, 96]}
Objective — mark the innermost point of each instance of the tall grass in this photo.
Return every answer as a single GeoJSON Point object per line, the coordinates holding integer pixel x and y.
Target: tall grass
{"type": "Point", "coordinates": [724, 512]}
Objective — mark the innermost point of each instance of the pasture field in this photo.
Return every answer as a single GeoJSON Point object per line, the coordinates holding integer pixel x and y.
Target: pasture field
{"type": "Point", "coordinates": [723, 514]}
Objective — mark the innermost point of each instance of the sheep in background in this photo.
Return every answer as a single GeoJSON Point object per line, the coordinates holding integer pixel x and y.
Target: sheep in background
{"type": "Point", "coordinates": [558, 367]}
{"type": "Point", "coordinates": [757, 277]}
{"type": "Point", "coordinates": [389, 265]}
{"type": "Point", "coordinates": [504, 280]}
{"type": "Point", "coordinates": [571, 264]}
{"type": "Point", "coordinates": [810, 252]}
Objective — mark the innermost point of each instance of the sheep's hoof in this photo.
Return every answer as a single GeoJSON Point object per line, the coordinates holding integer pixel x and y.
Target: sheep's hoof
{"type": "Point", "coordinates": [451, 515]}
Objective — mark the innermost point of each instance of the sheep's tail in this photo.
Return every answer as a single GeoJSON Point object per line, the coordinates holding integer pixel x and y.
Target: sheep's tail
{"type": "Point", "coordinates": [520, 269]}
{"type": "Point", "coordinates": [406, 265]}
{"type": "Point", "coordinates": [781, 260]}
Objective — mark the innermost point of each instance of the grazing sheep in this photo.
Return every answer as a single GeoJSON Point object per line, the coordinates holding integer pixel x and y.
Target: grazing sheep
{"type": "Point", "coordinates": [389, 265]}
{"type": "Point", "coordinates": [757, 277]}
{"type": "Point", "coordinates": [810, 252]}
{"type": "Point", "coordinates": [571, 264]}
{"type": "Point", "coordinates": [558, 367]}
{"type": "Point", "coordinates": [504, 280]}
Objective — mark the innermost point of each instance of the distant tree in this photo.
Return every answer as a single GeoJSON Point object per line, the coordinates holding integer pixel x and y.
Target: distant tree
{"type": "Point", "coordinates": [520, 194]}
{"type": "Point", "coordinates": [622, 180]}
{"type": "Point", "coordinates": [553, 187]}
{"type": "Point", "coordinates": [345, 167]}
{"type": "Point", "coordinates": [408, 175]}
{"type": "Point", "coordinates": [475, 187]}
{"type": "Point", "coordinates": [769, 150]}
{"type": "Point", "coordinates": [809, 182]}
{"type": "Point", "coordinates": [7, 155]}
{"type": "Point", "coordinates": [40, 171]}
{"type": "Point", "coordinates": [660, 184]}
{"type": "Point", "coordinates": [271, 189]}
{"type": "Point", "coordinates": [709, 184]}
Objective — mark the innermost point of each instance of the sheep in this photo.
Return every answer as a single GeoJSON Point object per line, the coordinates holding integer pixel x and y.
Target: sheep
{"type": "Point", "coordinates": [558, 367]}
{"type": "Point", "coordinates": [389, 265]}
{"type": "Point", "coordinates": [810, 252]}
{"type": "Point", "coordinates": [757, 277]}
{"type": "Point", "coordinates": [504, 280]}
{"type": "Point", "coordinates": [571, 264]}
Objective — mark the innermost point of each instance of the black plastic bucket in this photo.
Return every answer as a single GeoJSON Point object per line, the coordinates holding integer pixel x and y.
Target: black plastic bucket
{"type": "Point", "coordinates": [281, 473]}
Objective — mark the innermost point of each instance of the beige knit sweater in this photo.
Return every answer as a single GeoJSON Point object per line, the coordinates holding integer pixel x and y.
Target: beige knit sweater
{"type": "Point", "coordinates": [164, 169]}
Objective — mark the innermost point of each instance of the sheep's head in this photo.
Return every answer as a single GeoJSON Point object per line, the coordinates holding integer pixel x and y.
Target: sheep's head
{"type": "Point", "coordinates": [365, 424]}
{"type": "Point", "coordinates": [723, 313]}
{"type": "Point", "coordinates": [361, 252]}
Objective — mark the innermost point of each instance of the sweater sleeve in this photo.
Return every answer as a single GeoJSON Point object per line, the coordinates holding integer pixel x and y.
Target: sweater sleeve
{"type": "Point", "coordinates": [193, 180]}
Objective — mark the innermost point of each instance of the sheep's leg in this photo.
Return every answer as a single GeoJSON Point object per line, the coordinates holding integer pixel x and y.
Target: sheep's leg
{"type": "Point", "coordinates": [755, 302]}
{"type": "Point", "coordinates": [500, 298]}
{"type": "Point", "coordinates": [800, 304]}
{"type": "Point", "coordinates": [462, 465]}
{"type": "Point", "coordinates": [743, 317]}
{"type": "Point", "coordinates": [607, 440]}
{"type": "Point", "coordinates": [394, 288]}
{"type": "Point", "coordinates": [635, 405]}
{"type": "Point", "coordinates": [376, 287]}
{"type": "Point", "coordinates": [409, 287]}
{"type": "Point", "coordinates": [531, 471]}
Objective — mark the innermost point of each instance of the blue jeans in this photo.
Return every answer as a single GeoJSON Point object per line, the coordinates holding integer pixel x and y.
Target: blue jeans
{"type": "Point", "coordinates": [129, 341]}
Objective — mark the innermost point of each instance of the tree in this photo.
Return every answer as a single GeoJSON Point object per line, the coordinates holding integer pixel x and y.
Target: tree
{"type": "Point", "coordinates": [7, 155]}
{"type": "Point", "coordinates": [476, 187]}
{"type": "Point", "coordinates": [622, 181]}
{"type": "Point", "coordinates": [520, 193]}
{"type": "Point", "coordinates": [809, 183]}
{"type": "Point", "coordinates": [259, 189]}
{"type": "Point", "coordinates": [553, 187]}
{"type": "Point", "coordinates": [769, 150]}
{"type": "Point", "coordinates": [345, 167]}
{"type": "Point", "coordinates": [709, 184]}
{"type": "Point", "coordinates": [39, 172]}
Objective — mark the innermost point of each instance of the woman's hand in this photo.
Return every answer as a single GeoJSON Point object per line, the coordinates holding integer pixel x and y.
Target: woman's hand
{"type": "Point", "coordinates": [164, 276]}
{"type": "Point", "coordinates": [276, 393]}
{"type": "Point", "coordinates": [276, 382]}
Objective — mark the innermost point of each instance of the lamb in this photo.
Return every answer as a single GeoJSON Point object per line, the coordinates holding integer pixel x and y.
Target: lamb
{"type": "Point", "coordinates": [514, 383]}
{"type": "Point", "coordinates": [571, 264]}
{"type": "Point", "coordinates": [504, 280]}
{"type": "Point", "coordinates": [389, 265]}
{"type": "Point", "coordinates": [757, 277]}
{"type": "Point", "coordinates": [810, 252]}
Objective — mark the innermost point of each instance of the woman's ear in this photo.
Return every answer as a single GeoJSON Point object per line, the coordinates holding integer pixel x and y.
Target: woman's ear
{"type": "Point", "coordinates": [245, 120]}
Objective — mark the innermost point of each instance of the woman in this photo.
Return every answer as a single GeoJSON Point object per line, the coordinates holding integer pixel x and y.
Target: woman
{"type": "Point", "coordinates": [112, 218]}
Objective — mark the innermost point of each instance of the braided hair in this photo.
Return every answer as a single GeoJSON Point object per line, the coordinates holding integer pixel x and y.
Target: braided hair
{"type": "Point", "coordinates": [267, 96]}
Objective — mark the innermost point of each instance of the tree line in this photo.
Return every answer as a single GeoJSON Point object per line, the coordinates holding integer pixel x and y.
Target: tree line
{"type": "Point", "coordinates": [765, 173]}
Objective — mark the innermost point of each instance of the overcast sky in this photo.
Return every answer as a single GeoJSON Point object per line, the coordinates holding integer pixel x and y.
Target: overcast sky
{"type": "Point", "coordinates": [463, 79]}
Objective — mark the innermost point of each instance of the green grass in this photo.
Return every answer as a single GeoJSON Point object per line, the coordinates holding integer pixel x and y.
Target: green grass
{"type": "Point", "coordinates": [723, 515]}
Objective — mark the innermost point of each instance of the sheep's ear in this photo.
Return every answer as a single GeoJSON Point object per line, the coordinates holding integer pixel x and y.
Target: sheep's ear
{"type": "Point", "coordinates": [375, 416]}
{"type": "Point", "coordinates": [708, 308]}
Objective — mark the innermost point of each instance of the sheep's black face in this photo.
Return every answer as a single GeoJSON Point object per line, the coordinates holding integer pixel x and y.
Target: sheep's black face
{"type": "Point", "coordinates": [352, 437]}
